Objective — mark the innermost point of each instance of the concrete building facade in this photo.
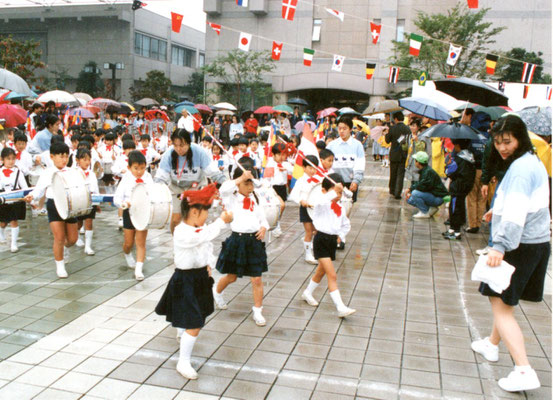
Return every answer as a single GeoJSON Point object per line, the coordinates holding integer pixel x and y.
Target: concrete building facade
{"type": "Point", "coordinates": [313, 27]}
{"type": "Point", "coordinates": [143, 41]}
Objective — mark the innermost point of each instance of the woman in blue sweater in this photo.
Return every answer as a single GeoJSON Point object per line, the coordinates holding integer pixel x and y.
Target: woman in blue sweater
{"type": "Point", "coordinates": [520, 235]}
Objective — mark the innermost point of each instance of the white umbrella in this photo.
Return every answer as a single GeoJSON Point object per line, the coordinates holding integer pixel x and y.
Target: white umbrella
{"type": "Point", "coordinates": [82, 102]}
{"type": "Point", "coordinates": [83, 96]}
{"type": "Point", "coordinates": [376, 116]}
{"type": "Point", "coordinates": [11, 81]}
{"type": "Point", "coordinates": [225, 106]}
{"type": "Point", "coordinates": [58, 96]}
{"type": "Point", "coordinates": [224, 112]}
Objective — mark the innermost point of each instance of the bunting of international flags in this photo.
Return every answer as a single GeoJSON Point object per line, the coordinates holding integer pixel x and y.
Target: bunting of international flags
{"type": "Point", "coordinates": [369, 70]}
{"type": "Point", "coordinates": [394, 73]}
{"type": "Point", "coordinates": [308, 56]}
{"type": "Point", "coordinates": [528, 72]}
{"type": "Point", "coordinates": [491, 62]}
{"type": "Point", "coordinates": [415, 43]}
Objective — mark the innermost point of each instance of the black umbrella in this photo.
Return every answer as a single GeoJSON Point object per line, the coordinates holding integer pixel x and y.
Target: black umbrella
{"type": "Point", "coordinates": [298, 101]}
{"type": "Point", "coordinates": [473, 91]}
{"type": "Point", "coordinates": [452, 130]}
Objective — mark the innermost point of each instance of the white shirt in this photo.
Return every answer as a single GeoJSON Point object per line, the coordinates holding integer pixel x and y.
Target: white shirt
{"type": "Point", "coordinates": [280, 172]}
{"type": "Point", "coordinates": [326, 220]}
{"type": "Point", "coordinates": [45, 159]}
{"type": "Point", "coordinates": [192, 246]}
{"type": "Point", "coordinates": [106, 154]}
{"type": "Point", "coordinates": [44, 184]}
{"type": "Point", "coordinates": [303, 187]}
{"type": "Point", "coordinates": [124, 189]}
{"type": "Point", "coordinates": [9, 183]}
{"type": "Point", "coordinates": [150, 154]}
{"type": "Point", "coordinates": [161, 143]}
{"type": "Point", "coordinates": [246, 220]}
{"type": "Point", "coordinates": [185, 122]}
{"type": "Point", "coordinates": [120, 165]}
{"type": "Point", "coordinates": [25, 162]}
{"type": "Point", "coordinates": [90, 180]}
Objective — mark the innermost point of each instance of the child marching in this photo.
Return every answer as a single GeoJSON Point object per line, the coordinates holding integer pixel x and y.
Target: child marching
{"type": "Point", "coordinates": [84, 158]}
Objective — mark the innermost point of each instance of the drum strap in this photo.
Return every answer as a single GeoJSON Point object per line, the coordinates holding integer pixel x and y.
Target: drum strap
{"type": "Point", "coordinates": [16, 183]}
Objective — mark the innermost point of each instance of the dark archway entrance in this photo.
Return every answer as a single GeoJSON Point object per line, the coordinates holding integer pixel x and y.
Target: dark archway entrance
{"type": "Point", "coordinates": [323, 98]}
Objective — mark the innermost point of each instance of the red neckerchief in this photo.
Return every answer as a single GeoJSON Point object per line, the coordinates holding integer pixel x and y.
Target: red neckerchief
{"type": "Point", "coordinates": [312, 180]}
{"type": "Point", "coordinates": [246, 154]}
{"type": "Point", "coordinates": [108, 148]}
{"type": "Point", "coordinates": [139, 180]}
{"type": "Point", "coordinates": [198, 230]}
{"type": "Point", "coordinates": [336, 208]}
{"type": "Point", "coordinates": [144, 151]}
{"type": "Point", "coordinates": [216, 157]}
{"type": "Point", "coordinates": [247, 204]}
{"type": "Point", "coordinates": [280, 167]}
{"type": "Point", "coordinates": [18, 155]}
{"type": "Point", "coordinates": [234, 153]}
{"type": "Point", "coordinates": [86, 173]}
{"type": "Point", "coordinates": [7, 172]}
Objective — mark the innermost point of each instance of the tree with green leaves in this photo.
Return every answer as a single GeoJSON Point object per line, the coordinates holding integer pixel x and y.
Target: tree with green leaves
{"type": "Point", "coordinates": [20, 57]}
{"type": "Point", "coordinates": [156, 86]}
{"type": "Point", "coordinates": [195, 87]}
{"type": "Point", "coordinates": [509, 70]}
{"type": "Point", "coordinates": [90, 80]}
{"type": "Point", "coordinates": [242, 74]}
{"type": "Point", "coordinates": [461, 27]}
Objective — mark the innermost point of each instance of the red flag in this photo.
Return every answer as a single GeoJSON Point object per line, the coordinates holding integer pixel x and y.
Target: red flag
{"type": "Point", "coordinates": [472, 3]}
{"type": "Point", "coordinates": [215, 27]}
{"type": "Point", "coordinates": [375, 32]}
{"type": "Point", "coordinates": [289, 9]}
{"type": "Point", "coordinates": [176, 22]}
{"type": "Point", "coordinates": [277, 49]}
{"type": "Point", "coordinates": [525, 92]}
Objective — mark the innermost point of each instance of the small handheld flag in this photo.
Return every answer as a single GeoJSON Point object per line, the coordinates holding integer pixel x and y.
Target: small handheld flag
{"type": "Point", "coordinates": [215, 27]}
{"type": "Point", "coordinates": [289, 9]}
{"type": "Point", "coordinates": [394, 72]}
{"type": "Point", "coordinates": [525, 91]}
{"type": "Point", "coordinates": [491, 62]}
{"type": "Point", "coordinates": [336, 13]}
{"type": "Point", "coordinates": [423, 78]}
{"type": "Point", "coordinates": [415, 43]}
{"type": "Point", "coordinates": [528, 72]}
{"type": "Point", "coordinates": [453, 55]}
{"type": "Point", "coordinates": [338, 62]}
{"type": "Point", "coordinates": [369, 70]}
{"type": "Point", "coordinates": [244, 41]}
{"type": "Point", "coordinates": [176, 22]}
{"type": "Point", "coordinates": [548, 92]}
{"type": "Point", "coordinates": [277, 50]}
{"type": "Point", "coordinates": [375, 32]}
{"type": "Point", "coordinates": [308, 56]}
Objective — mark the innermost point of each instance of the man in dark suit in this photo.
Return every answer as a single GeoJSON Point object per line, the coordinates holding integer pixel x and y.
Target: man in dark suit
{"type": "Point", "coordinates": [397, 136]}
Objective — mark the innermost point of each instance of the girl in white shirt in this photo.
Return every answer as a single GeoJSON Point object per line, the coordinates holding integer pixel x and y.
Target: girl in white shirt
{"type": "Point", "coordinates": [83, 159]}
{"type": "Point", "coordinates": [330, 221]}
{"type": "Point", "coordinates": [23, 160]}
{"type": "Point", "coordinates": [11, 178]}
{"type": "Point", "coordinates": [243, 252]}
{"type": "Point", "coordinates": [188, 298]}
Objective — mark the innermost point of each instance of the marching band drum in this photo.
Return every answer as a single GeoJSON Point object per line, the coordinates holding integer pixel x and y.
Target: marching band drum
{"type": "Point", "coordinates": [71, 193]}
{"type": "Point", "coordinates": [151, 206]}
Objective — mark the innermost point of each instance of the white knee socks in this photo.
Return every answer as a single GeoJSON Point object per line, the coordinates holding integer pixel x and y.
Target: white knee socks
{"type": "Point", "coordinates": [15, 235]}
{"type": "Point", "coordinates": [187, 342]}
{"type": "Point", "coordinates": [312, 286]}
{"type": "Point", "coordinates": [337, 299]}
{"type": "Point", "coordinates": [88, 239]}
{"type": "Point", "coordinates": [138, 274]}
{"type": "Point", "coordinates": [60, 269]}
{"type": "Point", "coordinates": [2, 234]}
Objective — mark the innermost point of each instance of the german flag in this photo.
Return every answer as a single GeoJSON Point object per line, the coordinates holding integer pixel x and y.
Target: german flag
{"type": "Point", "coordinates": [370, 70]}
{"type": "Point", "coordinates": [491, 62]}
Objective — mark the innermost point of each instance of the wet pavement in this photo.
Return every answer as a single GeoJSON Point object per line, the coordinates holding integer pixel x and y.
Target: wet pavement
{"type": "Point", "coordinates": [95, 336]}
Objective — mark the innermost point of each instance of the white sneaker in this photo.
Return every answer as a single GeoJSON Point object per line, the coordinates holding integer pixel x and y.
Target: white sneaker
{"type": "Point", "coordinates": [345, 312]}
{"type": "Point", "coordinates": [43, 212]}
{"type": "Point", "coordinates": [258, 318]}
{"type": "Point", "coordinates": [518, 381]}
{"type": "Point", "coordinates": [485, 348]}
{"type": "Point", "coordinates": [432, 211]}
{"type": "Point", "coordinates": [120, 223]}
{"type": "Point", "coordinates": [14, 249]}
{"type": "Point", "coordinates": [277, 232]}
{"type": "Point", "coordinates": [421, 215]}
{"type": "Point", "coordinates": [131, 263]}
{"type": "Point", "coordinates": [61, 272]}
{"type": "Point", "coordinates": [219, 300]}
{"type": "Point", "coordinates": [138, 275]}
{"type": "Point", "coordinates": [89, 252]}
{"type": "Point", "coordinates": [185, 369]}
{"type": "Point", "coordinates": [483, 251]}
{"type": "Point", "coordinates": [310, 258]}
{"type": "Point", "coordinates": [81, 231]}
{"type": "Point", "coordinates": [79, 243]}
{"type": "Point", "coordinates": [308, 297]}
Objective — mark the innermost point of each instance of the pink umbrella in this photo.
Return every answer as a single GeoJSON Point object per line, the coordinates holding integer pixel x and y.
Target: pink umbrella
{"type": "Point", "coordinates": [103, 103]}
{"type": "Point", "coordinates": [13, 114]}
{"type": "Point", "coordinates": [264, 110]}
{"type": "Point", "coordinates": [82, 112]}
{"type": "Point", "coordinates": [326, 112]}
{"type": "Point", "coordinates": [299, 126]}
{"type": "Point", "coordinates": [203, 107]}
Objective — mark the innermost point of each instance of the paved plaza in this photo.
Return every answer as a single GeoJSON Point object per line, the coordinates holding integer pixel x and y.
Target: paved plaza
{"type": "Point", "coordinates": [95, 335]}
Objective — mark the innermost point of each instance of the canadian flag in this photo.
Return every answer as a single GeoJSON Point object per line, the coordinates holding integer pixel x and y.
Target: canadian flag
{"type": "Point", "coordinates": [277, 49]}
{"type": "Point", "coordinates": [244, 42]}
{"type": "Point", "coordinates": [336, 13]}
{"type": "Point", "coordinates": [289, 9]}
{"type": "Point", "coordinates": [176, 22]}
{"type": "Point", "coordinates": [215, 27]}
{"type": "Point", "coordinates": [375, 32]}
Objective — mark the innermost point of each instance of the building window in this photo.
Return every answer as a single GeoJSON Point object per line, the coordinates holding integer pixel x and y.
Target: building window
{"type": "Point", "coordinates": [400, 30]}
{"type": "Point", "coordinates": [182, 56]}
{"type": "Point", "coordinates": [201, 60]}
{"type": "Point", "coordinates": [150, 47]}
{"type": "Point", "coordinates": [317, 30]}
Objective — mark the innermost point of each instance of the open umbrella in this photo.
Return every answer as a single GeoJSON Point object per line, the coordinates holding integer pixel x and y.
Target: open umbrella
{"type": "Point", "coordinates": [264, 110]}
{"type": "Point", "coordinates": [426, 108]}
{"type": "Point", "coordinates": [184, 103]}
{"type": "Point", "coordinates": [543, 150]}
{"type": "Point", "coordinates": [384, 106]}
{"type": "Point", "coordinates": [11, 81]}
{"type": "Point", "coordinates": [494, 112]}
{"type": "Point", "coordinates": [326, 112]}
{"type": "Point", "coordinates": [203, 108]}
{"type": "Point", "coordinates": [452, 130]}
{"type": "Point", "coordinates": [82, 112]}
{"type": "Point", "coordinates": [347, 110]}
{"type": "Point", "coordinates": [224, 112]}
{"type": "Point", "coordinates": [85, 96]}
{"type": "Point", "coordinates": [130, 106]}
{"type": "Point", "coordinates": [472, 90]}
{"type": "Point", "coordinates": [298, 101]}
{"type": "Point", "coordinates": [300, 125]}
{"type": "Point", "coordinates": [284, 108]}
{"type": "Point", "coordinates": [58, 97]}
{"type": "Point", "coordinates": [537, 119]}
{"type": "Point", "coordinates": [191, 109]}
{"type": "Point", "coordinates": [92, 109]}
{"type": "Point", "coordinates": [151, 114]}
{"type": "Point", "coordinates": [13, 114]}
{"type": "Point", "coordinates": [146, 102]}
{"type": "Point", "coordinates": [103, 103]}
{"type": "Point", "coordinates": [224, 106]}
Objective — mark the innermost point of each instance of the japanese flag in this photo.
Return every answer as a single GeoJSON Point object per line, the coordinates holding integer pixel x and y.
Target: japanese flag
{"type": "Point", "coordinates": [244, 42]}
{"type": "Point", "coordinates": [338, 62]}
{"type": "Point", "coordinates": [336, 13]}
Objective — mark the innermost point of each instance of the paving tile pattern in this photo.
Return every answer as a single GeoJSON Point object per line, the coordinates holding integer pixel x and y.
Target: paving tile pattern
{"type": "Point", "coordinates": [95, 336]}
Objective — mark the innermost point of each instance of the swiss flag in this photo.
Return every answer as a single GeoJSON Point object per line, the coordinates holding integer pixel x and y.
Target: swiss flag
{"type": "Point", "coordinates": [215, 27]}
{"type": "Point", "coordinates": [277, 49]}
{"type": "Point", "coordinates": [176, 22]}
{"type": "Point", "coordinates": [375, 32]}
{"type": "Point", "coordinates": [289, 9]}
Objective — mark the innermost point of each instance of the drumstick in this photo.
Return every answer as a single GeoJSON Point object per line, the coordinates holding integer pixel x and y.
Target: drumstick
{"type": "Point", "coordinates": [346, 191]}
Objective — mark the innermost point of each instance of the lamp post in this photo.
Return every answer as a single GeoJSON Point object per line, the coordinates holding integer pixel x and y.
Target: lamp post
{"type": "Point", "coordinates": [113, 67]}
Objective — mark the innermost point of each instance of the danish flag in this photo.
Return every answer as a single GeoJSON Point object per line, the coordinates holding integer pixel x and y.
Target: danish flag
{"type": "Point", "coordinates": [289, 9]}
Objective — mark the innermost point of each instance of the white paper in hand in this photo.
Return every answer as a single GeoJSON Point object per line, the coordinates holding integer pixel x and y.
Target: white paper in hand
{"type": "Point", "coordinates": [497, 278]}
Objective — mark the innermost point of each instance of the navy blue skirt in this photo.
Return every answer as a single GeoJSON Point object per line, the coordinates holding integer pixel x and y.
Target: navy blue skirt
{"type": "Point", "coordinates": [188, 298]}
{"type": "Point", "coordinates": [242, 254]}
{"type": "Point", "coordinates": [12, 212]}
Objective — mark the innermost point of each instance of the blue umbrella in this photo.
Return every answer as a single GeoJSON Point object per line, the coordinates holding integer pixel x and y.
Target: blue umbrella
{"type": "Point", "coordinates": [426, 108]}
{"type": "Point", "coordinates": [185, 103]}
{"type": "Point", "coordinates": [452, 130]}
{"type": "Point", "coordinates": [190, 109]}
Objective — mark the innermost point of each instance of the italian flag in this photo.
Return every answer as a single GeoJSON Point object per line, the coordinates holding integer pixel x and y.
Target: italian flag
{"type": "Point", "coordinates": [415, 42]}
{"type": "Point", "coordinates": [308, 56]}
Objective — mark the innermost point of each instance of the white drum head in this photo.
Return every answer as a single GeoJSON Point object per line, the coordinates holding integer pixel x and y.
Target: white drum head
{"type": "Point", "coordinates": [60, 196]}
{"type": "Point", "coordinates": [140, 209]}
{"type": "Point", "coordinates": [270, 202]}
